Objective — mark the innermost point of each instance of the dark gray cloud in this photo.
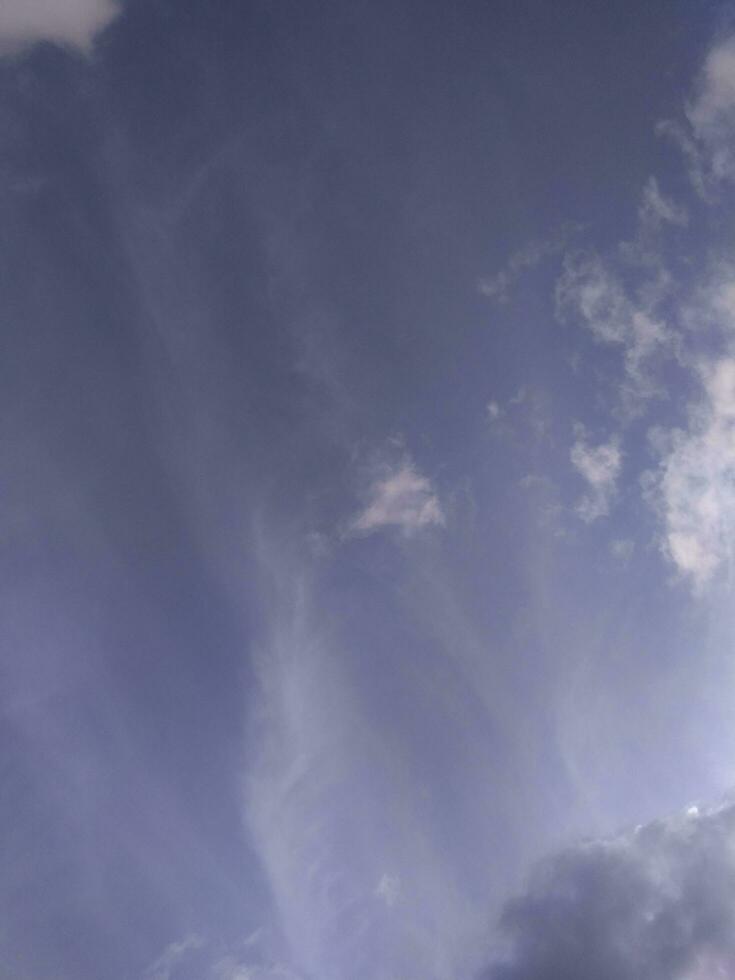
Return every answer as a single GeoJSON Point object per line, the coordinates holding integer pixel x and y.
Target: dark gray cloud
{"type": "Point", "coordinates": [656, 903]}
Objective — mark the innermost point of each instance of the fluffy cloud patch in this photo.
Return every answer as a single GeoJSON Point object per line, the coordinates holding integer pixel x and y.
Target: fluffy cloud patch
{"type": "Point", "coordinates": [68, 22]}
{"type": "Point", "coordinates": [402, 498]}
{"type": "Point", "coordinates": [656, 903]}
{"type": "Point", "coordinates": [712, 113]}
{"type": "Point", "coordinates": [694, 486]}
{"type": "Point", "coordinates": [600, 467]}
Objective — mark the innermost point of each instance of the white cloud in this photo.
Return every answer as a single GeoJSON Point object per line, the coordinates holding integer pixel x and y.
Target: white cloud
{"type": "Point", "coordinates": [68, 22]}
{"type": "Point", "coordinates": [712, 114]}
{"type": "Point", "coordinates": [600, 467]}
{"type": "Point", "coordinates": [590, 292]}
{"type": "Point", "coordinates": [694, 486]}
{"type": "Point", "coordinates": [402, 498]}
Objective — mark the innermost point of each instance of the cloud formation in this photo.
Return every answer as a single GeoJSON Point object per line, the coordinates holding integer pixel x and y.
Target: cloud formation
{"type": "Point", "coordinates": [402, 498]}
{"type": "Point", "coordinates": [600, 467]}
{"type": "Point", "coordinates": [589, 292]}
{"type": "Point", "coordinates": [693, 486]}
{"type": "Point", "coordinates": [656, 903]}
{"type": "Point", "coordinates": [498, 287]}
{"type": "Point", "coordinates": [75, 23]}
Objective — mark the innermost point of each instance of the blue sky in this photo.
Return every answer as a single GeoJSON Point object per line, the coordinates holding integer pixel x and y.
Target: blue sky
{"type": "Point", "coordinates": [367, 412]}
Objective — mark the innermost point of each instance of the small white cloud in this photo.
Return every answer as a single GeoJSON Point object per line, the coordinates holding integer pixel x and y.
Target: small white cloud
{"type": "Point", "coordinates": [75, 23]}
{"type": "Point", "coordinates": [402, 498]}
{"type": "Point", "coordinates": [389, 889]}
{"type": "Point", "coordinates": [494, 411]}
{"type": "Point", "coordinates": [694, 486]}
{"type": "Point", "coordinates": [600, 467]}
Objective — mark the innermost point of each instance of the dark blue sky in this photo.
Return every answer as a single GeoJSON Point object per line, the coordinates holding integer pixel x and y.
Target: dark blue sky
{"type": "Point", "coordinates": [366, 399]}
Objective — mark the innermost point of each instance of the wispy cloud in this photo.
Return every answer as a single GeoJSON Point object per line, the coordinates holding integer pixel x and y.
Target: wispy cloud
{"type": "Point", "coordinates": [174, 954]}
{"type": "Point", "coordinates": [193, 956]}
{"type": "Point", "coordinates": [403, 498]}
{"type": "Point", "coordinates": [600, 467]}
{"type": "Point", "coordinates": [322, 774]}
{"type": "Point", "coordinates": [498, 286]}
{"type": "Point", "coordinates": [68, 22]}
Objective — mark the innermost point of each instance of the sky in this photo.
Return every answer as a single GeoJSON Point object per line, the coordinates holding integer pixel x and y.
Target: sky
{"type": "Point", "coordinates": [367, 412]}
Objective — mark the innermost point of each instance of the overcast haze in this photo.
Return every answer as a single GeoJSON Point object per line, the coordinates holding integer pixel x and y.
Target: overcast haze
{"type": "Point", "coordinates": [367, 413]}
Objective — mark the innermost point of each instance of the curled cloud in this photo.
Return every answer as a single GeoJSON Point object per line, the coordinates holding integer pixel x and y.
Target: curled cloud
{"type": "Point", "coordinates": [498, 287]}
{"type": "Point", "coordinates": [656, 903]}
{"type": "Point", "coordinates": [712, 114]}
{"type": "Point", "coordinates": [657, 209]}
{"type": "Point", "coordinates": [401, 498]}
{"type": "Point", "coordinates": [600, 467]}
{"type": "Point", "coordinates": [589, 292]}
{"type": "Point", "coordinates": [694, 486]}
{"type": "Point", "coordinates": [74, 23]}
